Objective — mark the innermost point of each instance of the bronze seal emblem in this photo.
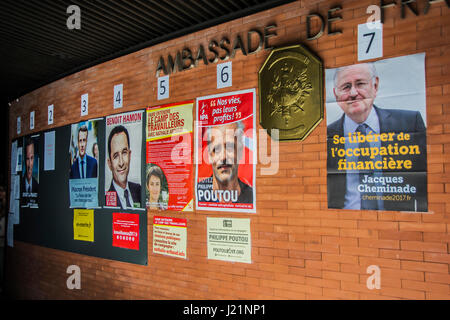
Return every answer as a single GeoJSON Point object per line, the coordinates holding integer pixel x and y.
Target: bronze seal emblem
{"type": "Point", "coordinates": [290, 92]}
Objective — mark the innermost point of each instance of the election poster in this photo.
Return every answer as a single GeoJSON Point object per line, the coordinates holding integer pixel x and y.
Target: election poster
{"type": "Point", "coordinates": [169, 172]}
{"type": "Point", "coordinates": [126, 230]}
{"type": "Point", "coordinates": [229, 239]}
{"type": "Point", "coordinates": [83, 152]}
{"type": "Point", "coordinates": [83, 225]}
{"type": "Point", "coordinates": [225, 152]}
{"type": "Point", "coordinates": [29, 181]}
{"type": "Point", "coordinates": [123, 160]}
{"type": "Point", "coordinates": [376, 135]}
{"type": "Point", "coordinates": [170, 236]}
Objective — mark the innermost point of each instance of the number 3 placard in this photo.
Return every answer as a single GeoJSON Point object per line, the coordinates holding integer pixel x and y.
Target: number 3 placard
{"type": "Point", "coordinates": [84, 104]}
{"type": "Point", "coordinates": [370, 41]}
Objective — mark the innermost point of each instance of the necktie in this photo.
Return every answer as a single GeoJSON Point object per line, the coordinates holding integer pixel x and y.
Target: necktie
{"type": "Point", "coordinates": [363, 146]}
{"type": "Point", "coordinates": [82, 169]}
{"type": "Point", "coordinates": [127, 199]}
{"type": "Point", "coordinates": [29, 189]}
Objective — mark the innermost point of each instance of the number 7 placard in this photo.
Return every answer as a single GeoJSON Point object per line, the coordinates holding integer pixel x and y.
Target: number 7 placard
{"type": "Point", "coordinates": [370, 41]}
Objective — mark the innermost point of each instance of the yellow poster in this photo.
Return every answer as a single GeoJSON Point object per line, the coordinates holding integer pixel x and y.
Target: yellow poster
{"type": "Point", "coordinates": [83, 225]}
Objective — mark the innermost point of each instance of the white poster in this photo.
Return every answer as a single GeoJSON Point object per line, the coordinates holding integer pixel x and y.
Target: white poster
{"type": "Point", "coordinates": [49, 151]}
{"type": "Point", "coordinates": [229, 239]}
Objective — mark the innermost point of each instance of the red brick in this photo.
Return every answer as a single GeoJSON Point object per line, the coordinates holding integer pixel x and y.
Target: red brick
{"type": "Point", "coordinates": [300, 248]}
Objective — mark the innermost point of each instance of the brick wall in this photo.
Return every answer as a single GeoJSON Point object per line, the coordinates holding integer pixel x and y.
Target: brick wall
{"type": "Point", "coordinates": [300, 249]}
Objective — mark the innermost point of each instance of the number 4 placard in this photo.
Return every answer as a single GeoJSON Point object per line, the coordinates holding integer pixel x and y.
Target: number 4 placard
{"type": "Point", "coordinates": [118, 96]}
{"type": "Point", "coordinates": [370, 40]}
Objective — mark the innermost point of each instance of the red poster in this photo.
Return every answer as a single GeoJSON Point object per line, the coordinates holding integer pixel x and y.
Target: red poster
{"type": "Point", "coordinates": [126, 230]}
{"type": "Point", "coordinates": [226, 152]}
{"type": "Point", "coordinates": [169, 172]}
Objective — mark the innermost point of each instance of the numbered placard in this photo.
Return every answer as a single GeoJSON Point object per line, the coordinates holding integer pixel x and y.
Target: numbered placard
{"type": "Point", "coordinates": [19, 125]}
{"type": "Point", "coordinates": [50, 114]}
{"type": "Point", "coordinates": [163, 87]}
{"type": "Point", "coordinates": [32, 120]}
{"type": "Point", "coordinates": [118, 96]}
{"type": "Point", "coordinates": [224, 75]}
{"type": "Point", "coordinates": [370, 40]}
{"type": "Point", "coordinates": [84, 105]}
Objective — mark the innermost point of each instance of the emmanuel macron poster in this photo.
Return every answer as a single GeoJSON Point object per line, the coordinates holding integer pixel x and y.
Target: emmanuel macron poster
{"type": "Point", "coordinates": [83, 151]}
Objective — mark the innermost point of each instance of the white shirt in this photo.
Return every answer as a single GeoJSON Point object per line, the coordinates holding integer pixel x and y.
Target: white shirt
{"type": "Point", "coordinates": [352, 195]}
{"type": "Point", "coordinates": [28, 185]}
{"type": "Point", "coordinates": [121, 195]}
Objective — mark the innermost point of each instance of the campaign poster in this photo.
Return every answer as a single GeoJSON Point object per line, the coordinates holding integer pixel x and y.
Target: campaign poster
{"type": "Point", "coordinates": [83, 153]}
{"type": "Point", "coordinates": [83, 225]}
{"type": "Point", "coordinates": [126, 230]}
{"type": "Point", "coordinates": [229, 239]}
{"type": "Point", "coordinates": [49, 151]}
{"type": "Point", "coordinates": [376, 135]}
{"type": "Point", "coordinates": [225, 152]}
{"type": "Point", "coordinates": [123, 160]}
{"type": "Point", "coordinates": [170, 236]}
{"type": "Point", "coordinates": [169, 172]}
{"type": "Point", "coordinates": [29, 181]}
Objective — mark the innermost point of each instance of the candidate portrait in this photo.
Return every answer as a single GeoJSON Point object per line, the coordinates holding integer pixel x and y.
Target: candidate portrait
{"type": "Point", "coordinates": [29, 184]}
{"type": "Point", "coordinates": [355, 89]}
{"type": "Point", "coordinates": [225, 149]}
{"type": "Point", "coordinates": [128, 194]}
{"type": "Point", "coordinates": [84, 166]}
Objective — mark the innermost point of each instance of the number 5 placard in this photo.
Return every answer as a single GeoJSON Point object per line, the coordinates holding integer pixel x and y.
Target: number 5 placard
{"type": "Point", "coordinates": [163, 87]}
{"type": "Point", "coordinates": [370, 41]}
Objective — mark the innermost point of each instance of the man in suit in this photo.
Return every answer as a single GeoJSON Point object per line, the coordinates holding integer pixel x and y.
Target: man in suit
{"type": "Point", "coordinates": [119, 158]}
{"type": "Point", "coordinates": [29, 185]}
{"type": "Point", "coordinates": [84, 166]}
{"type": "Point", "coordinates": [355, 89]}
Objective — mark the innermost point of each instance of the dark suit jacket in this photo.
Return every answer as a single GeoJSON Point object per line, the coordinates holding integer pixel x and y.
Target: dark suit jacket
{"type": "Point", "coordinates": [135, 190]}
{"type": "Point", "coordinates": [246, 195]}
{"type": "Point", "coordinates": [34, 187]}
{"type": "Point", "coordinates": [390, 121]}
{"type": "Point", "coordinates": [91, 168]}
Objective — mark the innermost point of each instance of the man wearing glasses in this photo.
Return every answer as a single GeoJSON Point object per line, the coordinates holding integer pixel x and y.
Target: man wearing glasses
{"type": "Point", "coordinates": [355, 89]}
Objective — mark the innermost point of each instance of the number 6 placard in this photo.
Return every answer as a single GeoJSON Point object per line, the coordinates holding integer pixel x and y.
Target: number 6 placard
{"type": "Point", "coordinates": [224, 75]}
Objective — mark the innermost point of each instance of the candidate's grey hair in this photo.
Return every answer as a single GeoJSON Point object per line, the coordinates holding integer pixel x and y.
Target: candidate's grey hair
{"type": "Point", "coordinates": [370, 66]}
{"type": "Point", "coordinates": [239, 133]}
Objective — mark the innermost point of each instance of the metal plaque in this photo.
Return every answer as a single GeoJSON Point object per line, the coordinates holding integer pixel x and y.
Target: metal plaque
{"type": "Point", "coordinates": [291, 92]}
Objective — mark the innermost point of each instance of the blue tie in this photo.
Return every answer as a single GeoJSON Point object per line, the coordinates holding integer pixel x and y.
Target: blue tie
{"type": "Point", "coordinates": [82, 169]}
{"type": "Point", "coordinates": [127, 199]}
{"type": "Point", "coordinates": [365, 204]}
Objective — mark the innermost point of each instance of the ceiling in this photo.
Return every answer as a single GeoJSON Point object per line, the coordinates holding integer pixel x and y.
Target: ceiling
{"type": "Point", "coordinates": [37, 47]}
